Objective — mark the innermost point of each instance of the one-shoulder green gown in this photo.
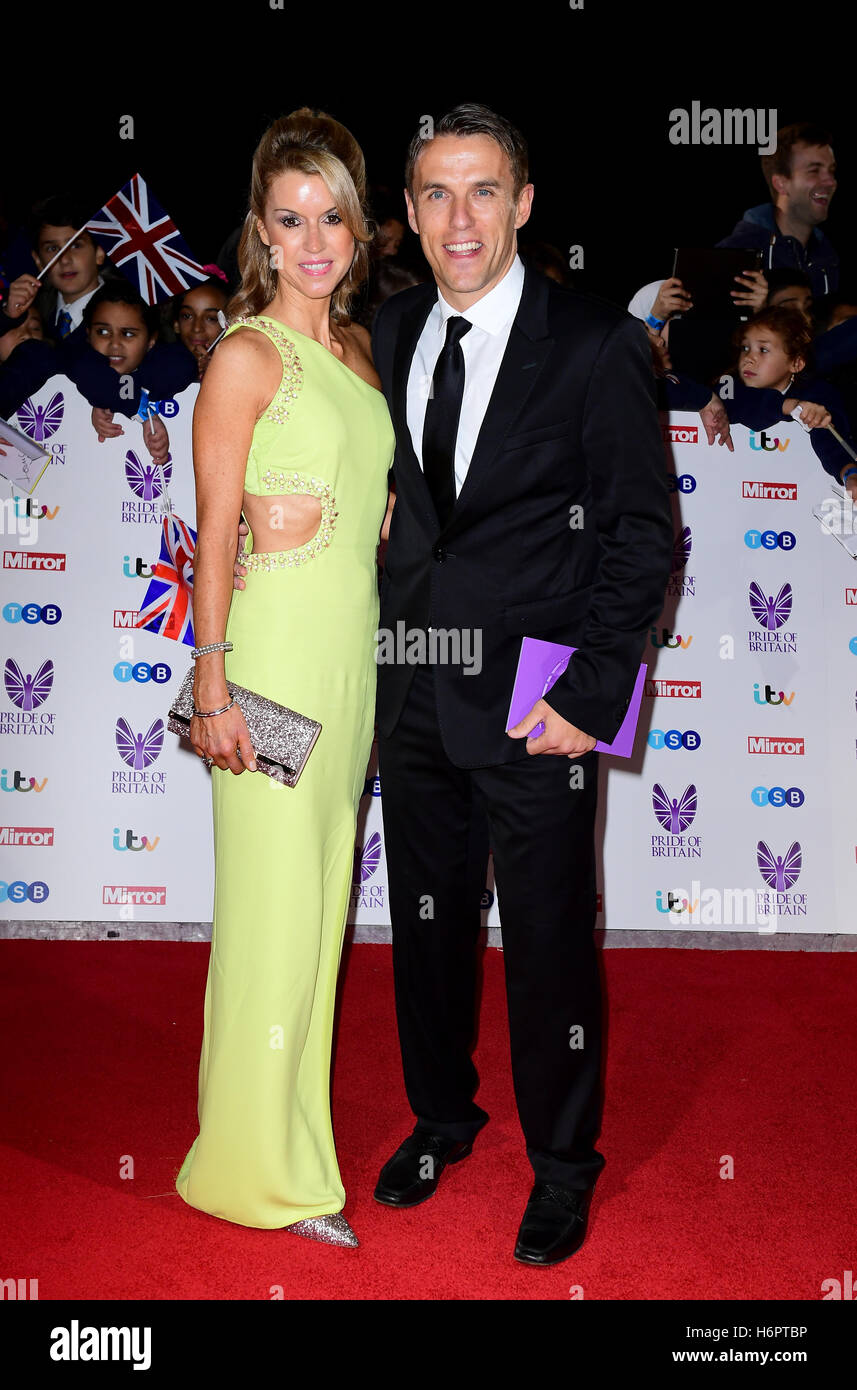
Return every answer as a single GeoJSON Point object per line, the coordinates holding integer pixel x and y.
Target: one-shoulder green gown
{"type": "Point", "coordinates": [303, 631]}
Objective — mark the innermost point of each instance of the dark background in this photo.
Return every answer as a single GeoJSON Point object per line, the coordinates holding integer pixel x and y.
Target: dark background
{"type": "Point", "coordinates": [591, 90]}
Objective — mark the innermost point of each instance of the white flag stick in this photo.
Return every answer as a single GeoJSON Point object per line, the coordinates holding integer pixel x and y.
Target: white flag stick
{"type": "Point", "coordinates": [847, 447]}
{"type": "Point", "coordinates": [221, 319]}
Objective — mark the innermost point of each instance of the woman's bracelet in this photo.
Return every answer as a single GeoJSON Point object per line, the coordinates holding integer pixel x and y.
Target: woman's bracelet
{"type": "Point", "coordinates": [847, 474]}
{"type": "Point", "coordinates": [212, 647]}
{"type": "Point", "coordinates": [654, 322]}
{"type": "Point", "coordinates": [207, 714]}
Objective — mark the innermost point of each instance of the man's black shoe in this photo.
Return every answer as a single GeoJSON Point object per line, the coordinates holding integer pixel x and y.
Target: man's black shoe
{"type": "Point", "coordinates": [554, 1224]}
{"type": "Point", "coordinates": [412, 1174]}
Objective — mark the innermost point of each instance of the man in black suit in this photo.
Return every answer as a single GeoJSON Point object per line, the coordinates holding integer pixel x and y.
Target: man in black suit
{"type": "Point", "coordinates": [531, 499]}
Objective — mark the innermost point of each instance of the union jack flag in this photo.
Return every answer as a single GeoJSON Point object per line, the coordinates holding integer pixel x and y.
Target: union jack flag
{"type": "Point", "coordinates": [143, 241]}
{"type": "Point", "coordinates": [167, 607]}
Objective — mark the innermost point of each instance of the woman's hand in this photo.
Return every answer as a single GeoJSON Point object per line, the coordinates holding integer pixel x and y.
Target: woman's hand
{"type": "Point", "coordinates": [220, 738]}
{"type": "Point", "coordinates": [385, 525]}
{"type": "Point", "coordinates": [672, 298]}
{"type": "Point", "coordinates": [238, 570]}
{"type": "Point", "coordinates": [754, 290]}
{"type": "Point", "coordinates": [102, 421]}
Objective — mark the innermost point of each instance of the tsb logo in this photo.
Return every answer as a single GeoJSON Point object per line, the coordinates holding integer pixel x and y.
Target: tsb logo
{"type": "Point", "coordinates": [49, 613]}
{"type": "Point", "coordinates": [20, 892]}
{"type": "Point", "coordinates": [777, 796]}
{"type": "Point", "coordinates": [141, 671]}
{"type": "Point", "coordinates": [674, 738]}
{"type": "Point", "coordinates": [770, 540]}
{"type": "Point", "coordinates": [681, 482]}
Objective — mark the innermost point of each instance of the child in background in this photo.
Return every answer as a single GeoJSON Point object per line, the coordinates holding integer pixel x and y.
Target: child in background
{"type": "Point", "coordinates": [774, 356]}
{"type": "Point", "coordinates": [195, 320]}
{"type": "Point", "coordinates": [111, 363]}
{"type": "Point", "coordinates": [791, 289]}
{"type": "Point", "coordinates": [122, 332]}
{"type": "Point", "coordinates": [72, 279]}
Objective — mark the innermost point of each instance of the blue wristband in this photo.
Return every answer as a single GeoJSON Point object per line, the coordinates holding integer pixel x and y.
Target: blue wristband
{"type": "Point", "coordinates": [653, 322]}
{"type": "Point", "coordinates": [847, 474]}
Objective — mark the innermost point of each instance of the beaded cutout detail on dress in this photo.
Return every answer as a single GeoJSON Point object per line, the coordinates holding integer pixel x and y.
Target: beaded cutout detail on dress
{"type": "Point", "coordinates": [278, 482]}
{"type": "Point", "coordinates": [292, 380]}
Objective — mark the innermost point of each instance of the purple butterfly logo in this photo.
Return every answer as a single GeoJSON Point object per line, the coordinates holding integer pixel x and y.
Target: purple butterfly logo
{"type": "Point", "coordinates": [146, 480]}
{"type": "Point", "coordinates": [676, 816]}
{"type": "Point", "coordinates": [681, 550]}
{"type": "Point", "coordinates": [769, 612]}
{"type": "Point", "coordinates": [26, 691]}
{"type": "Point", "coordinates": [780, 873]}
{"type": "Point", "coordinates": [369, 859]}
{"type": "Point", "coordinates": [41, 421]}
{"type": "Point", "coordinates": [139, 750]}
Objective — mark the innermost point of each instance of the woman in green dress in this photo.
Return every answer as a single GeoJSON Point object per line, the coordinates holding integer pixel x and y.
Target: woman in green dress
{"type": "Point", "coordinates": [291, 428]}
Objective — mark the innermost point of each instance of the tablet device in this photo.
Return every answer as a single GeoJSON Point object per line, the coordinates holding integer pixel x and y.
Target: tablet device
{"type": "Point", "coordinates": [708, 274]}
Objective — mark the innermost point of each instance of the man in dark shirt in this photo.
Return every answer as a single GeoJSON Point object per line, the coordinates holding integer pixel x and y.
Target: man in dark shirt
{"type": "Point", "coordinates": [801, 175]}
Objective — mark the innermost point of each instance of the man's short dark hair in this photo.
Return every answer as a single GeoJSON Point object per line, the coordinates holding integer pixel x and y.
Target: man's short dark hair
{"type": "Point", "coordinates": [780, 162]}
{"type": "Point", "coordinates": [470, 118]}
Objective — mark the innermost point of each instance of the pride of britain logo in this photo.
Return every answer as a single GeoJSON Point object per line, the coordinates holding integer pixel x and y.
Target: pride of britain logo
{"type": "Point", "coordinates": [27, 690]}
{"type": "Point", "coordinates": [780, 872]}
{"type": "Point", "coordinates": [364, 893]}
{"type": "Point", "coordinates": [139, 749]}
{"type": "Point", "coordinates": [676, 815]}
{"type": "Point", "coordinates": [41, 422]}
{"type": "Point", "coordinates": [771, 612]}
{"type": "Point", "coordinates": [681, 585]}
{"type": "Point", "coordinates": [148, 481]}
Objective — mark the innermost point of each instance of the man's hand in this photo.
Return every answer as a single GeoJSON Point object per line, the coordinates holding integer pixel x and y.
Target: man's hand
{"type": "Point", "coordinates": [238, 570]}
{"type": "Point", "coordinates": [754, 290]}
{"type": "Point", "coordinates": [102, 421]}
{"type": "Point", "coordinates": [559, 737]}
{"type": "Point", "coordinates": [715, 422]}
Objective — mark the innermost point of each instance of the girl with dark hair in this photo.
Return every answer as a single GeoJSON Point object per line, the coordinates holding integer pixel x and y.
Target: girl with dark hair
{"type": "Point", "coordinates": [774, 376]}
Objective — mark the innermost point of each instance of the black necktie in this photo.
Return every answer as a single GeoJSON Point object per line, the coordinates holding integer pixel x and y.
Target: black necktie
{"type": "Point", "coordinates": [441, 423]}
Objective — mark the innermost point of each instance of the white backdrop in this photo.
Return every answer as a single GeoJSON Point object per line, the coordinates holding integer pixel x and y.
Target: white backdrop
{"type": "Point", "coordinates": [755, 711]}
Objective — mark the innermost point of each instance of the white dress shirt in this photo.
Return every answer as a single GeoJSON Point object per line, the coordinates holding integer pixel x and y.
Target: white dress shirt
{"type": "Point", "coordinates": [483, 346]}
{"type": "Point", "coordinates": [76, 309]}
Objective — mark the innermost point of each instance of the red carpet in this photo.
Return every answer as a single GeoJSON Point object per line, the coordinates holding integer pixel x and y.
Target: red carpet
{"type": "Point", "coordinates": [710, 1054]}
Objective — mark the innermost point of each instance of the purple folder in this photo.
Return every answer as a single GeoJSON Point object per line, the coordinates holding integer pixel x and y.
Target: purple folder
{"type": "Point", "coordinates": [540, 666]}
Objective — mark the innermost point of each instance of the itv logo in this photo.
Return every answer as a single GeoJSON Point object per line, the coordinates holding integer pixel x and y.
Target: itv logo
{"type": "Point", "coordinates": [766, 443]}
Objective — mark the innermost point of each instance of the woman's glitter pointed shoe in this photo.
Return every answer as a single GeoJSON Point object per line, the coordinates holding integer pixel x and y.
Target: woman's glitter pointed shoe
{"type": "Point", "coordinates": [333, 1229]}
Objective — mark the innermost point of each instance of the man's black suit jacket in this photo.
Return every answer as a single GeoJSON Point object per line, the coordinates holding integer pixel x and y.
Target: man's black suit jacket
{"type": "Point", "coordinates": [562, 529]}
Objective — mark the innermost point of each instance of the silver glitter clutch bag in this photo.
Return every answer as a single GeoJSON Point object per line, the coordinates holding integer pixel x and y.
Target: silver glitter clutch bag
{"type": "Point", "coordinates": [282, 739]}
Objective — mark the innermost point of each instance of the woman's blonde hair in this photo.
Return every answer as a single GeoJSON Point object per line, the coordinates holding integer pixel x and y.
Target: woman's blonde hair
{"type": "Point", "coordinates": [310, 142]}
